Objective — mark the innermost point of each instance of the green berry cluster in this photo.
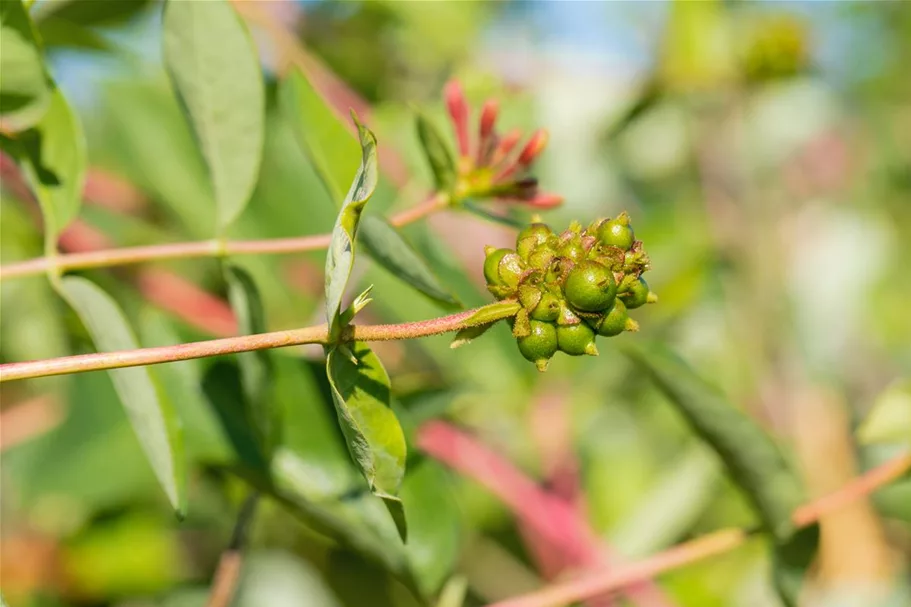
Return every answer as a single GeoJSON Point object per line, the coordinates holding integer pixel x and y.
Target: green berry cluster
{"type": "Point", "coordinates": [571, 286]}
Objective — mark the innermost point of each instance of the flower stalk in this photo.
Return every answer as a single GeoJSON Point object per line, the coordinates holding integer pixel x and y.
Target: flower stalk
{"type": "Point", "coordinates": [317, 334]}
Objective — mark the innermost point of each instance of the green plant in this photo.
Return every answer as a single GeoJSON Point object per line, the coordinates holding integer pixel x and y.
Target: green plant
{"type": "Point", "coordinates": [354, 477]}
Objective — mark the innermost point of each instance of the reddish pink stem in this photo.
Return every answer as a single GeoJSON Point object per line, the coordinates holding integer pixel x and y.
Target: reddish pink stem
{"type": "Point", "coordinates": [552, 518]}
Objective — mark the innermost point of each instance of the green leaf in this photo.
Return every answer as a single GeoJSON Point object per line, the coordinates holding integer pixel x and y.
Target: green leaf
{"type": "Point", "coordinates": [89, 12]}
{"type": "Point", "coordinates": [320, 133]}
{"type": "Point", "coordinates": [281, 578]}
{"type": "Point", "coordinates": [53, 158]}
{"type": "Point", "coordinates": [390, 250]}
{"type": "Point", "coordinates": [223, 389]}
{"type": "Point", "coordinates": [439, 157]}
{"type": "Point", "coordinates": [492, 313]}
{"type": "Point", "coordinates": [26, 88]}
{"type": "Point", "coordinates": [434, 525]}
{"type": "Point", "coordinates": [751, 457]}
{"type": "Point", "coordinates": [454, 592]}
{"type": "Point", "coordinates": [360, 390]}
{"type": "Point", "coordinates": [152, 416]}
{"type": "Point", "coordinates": [791, 559]}
{"type": "Point", "coordinates": [256, 368]}
{"type": "Point", "coordinates": [214, 68]}
{"type": "Point", "coordinates": [340, 257]}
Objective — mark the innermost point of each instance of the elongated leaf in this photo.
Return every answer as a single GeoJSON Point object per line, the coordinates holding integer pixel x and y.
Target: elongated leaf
{"type": "Point", "coordinates": [340, 258]}
{"type": "Point", "coordinates": [320, 133]}
{"type": "Point", "coordinates": [25, 88]}
{"type": "Point", "coordinates": [389, 249]}
{"type": "Point", "coordinates": [434, 525]}
{"type": "Point", "coordinates": [439, 157]}
{"type": "Point", "coordinates": [153, 418]}
{"type": "Point", "coordinates": [360, 390]}
{"type": "Point", "coordinates": [468, 334]}
{"type": "Point", "coordinates": [751, 457]}
{"type": "Point", "coordinates": [492, 313]}
{"type": "Point", "coordinates": [256, 368]}
{"type": "Point", "coordinates": [53, 159]}
{"type": "Point", "coordinates": [214, 68]}
{"type": "Point", "coordinates": [791, 559]}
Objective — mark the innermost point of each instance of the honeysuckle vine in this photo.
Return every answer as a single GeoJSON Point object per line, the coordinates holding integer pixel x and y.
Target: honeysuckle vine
{"type": "Point", "coordinates": [317, 334]}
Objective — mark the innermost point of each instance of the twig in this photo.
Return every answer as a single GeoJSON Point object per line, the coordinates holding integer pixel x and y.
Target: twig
{"type": "Point", "coordinates": [317, 334]}
{"type": "Point", "coordinates": [599, 582]}
{"type": "Point", "coordinates": [208, 248]}
{"type": "Point", "coordinates": [552, 518]}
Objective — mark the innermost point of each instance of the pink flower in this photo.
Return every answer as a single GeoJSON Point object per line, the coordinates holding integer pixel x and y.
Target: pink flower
{"type": "Point", "coordinates": [488, 167]}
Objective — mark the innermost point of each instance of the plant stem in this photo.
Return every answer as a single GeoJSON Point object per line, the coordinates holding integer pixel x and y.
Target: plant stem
{"type": "Point", "coordinates": [207, 248]}
{"type": "Point", "coordinates": [317, 334]}
{"type": "Point", "coordinates": [599, 582]}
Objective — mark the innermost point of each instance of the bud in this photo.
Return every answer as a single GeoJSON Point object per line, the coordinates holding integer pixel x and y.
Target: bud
{"type": "Point", "coordinates": [458, 111]}
{"type": "Point", "coordinates": [617, 232]}
{"type": "Point", "coordinates": [545, 201]}
{"type": "Point", "coordinates": [488, 118]}
{"type": "Point", "coordinates": [533, 148]}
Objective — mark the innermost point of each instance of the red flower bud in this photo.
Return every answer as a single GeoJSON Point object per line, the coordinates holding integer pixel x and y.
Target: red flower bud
{"type": "Point", "coordinates": [458, 111]}
{"type": "Point", "coordinates": [545, 201]}
{"type": "Point", "coordinates": [533, 148]}
{"type": "Point", "coordinates": [507, 143]}
{"type": "Point", "coordinates": [489, 117]}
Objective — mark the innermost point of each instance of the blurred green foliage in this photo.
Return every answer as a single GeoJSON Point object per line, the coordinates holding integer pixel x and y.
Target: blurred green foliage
{"type": "Point", "coordinates": [762, 153]}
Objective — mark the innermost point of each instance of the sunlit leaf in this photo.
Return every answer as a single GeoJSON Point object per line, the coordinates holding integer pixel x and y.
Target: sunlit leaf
{"type": "Point", "coordinates": [26, 88]}
{"type": "Point", "coordinates": [53, 158]}
{"type": "Point", "coordinates": [361, 393]}
{"type": "Point", "coordinates": [389, 249]}
{"type": "Point", "coordinates": [213, 64]}
{"type": "Point", "coordinates": [320, 133]}
{"type": "Point", "coordinates": [152, 416]}
{"type": "Point", "coordinates": [438, 155]}
{"type": "Point", "coordinates": [890, 419]}
{"type": "Point", "coordinates": [753, 460]}
{"type": "Point", "coordinates": [281, 578]}
{"type": "Point", "coordinates": [256, 368]}
{"type": "Point", "coordinates": [340, 257]}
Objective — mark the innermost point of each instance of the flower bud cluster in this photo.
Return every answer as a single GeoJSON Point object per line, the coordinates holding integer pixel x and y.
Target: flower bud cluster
{"type": "Point", "coordinates": [571, 286]}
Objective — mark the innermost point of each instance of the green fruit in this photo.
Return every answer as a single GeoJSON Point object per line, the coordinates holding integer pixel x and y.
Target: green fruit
{"type": "Point", "coordinates": [547, 308]}
{"type": "Point", "coordinates": [577, 340]}
{"type": "Point", "coordinates": [616, 321]}
{"type": "Point", "coordinates": [590, 287]}
{"type": "Point", "coordinates": [491, 265]}
{"type": "Point", "coordinates": [572, 250]}
{"type": "Point", "coordinates": [537, 232]}
{"type": "Point", "coordinates": [540, 344]}
{"type": "Point", "coordinates": [617, 232]}
{"type": "Point", "coordinates": [636, 295]}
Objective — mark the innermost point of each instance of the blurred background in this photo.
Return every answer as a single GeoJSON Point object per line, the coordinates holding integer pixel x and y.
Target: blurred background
{"type": "Point", "coordinates": [763, 152]}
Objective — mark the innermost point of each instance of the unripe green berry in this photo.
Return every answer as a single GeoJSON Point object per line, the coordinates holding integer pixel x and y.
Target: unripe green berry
{"type": "Point", "coordinates": [617, 232]}
{"type": "Point", "coordinates": [540, 344]}
{"type": "Point", "coordinates": [538, 232]}
{"type": "Point", "coordinates": [590, 287]}
{"type": "Point", "coordinates": [572, 250]}
{"type": "Point", "coordinates": [492, 263]}
{"type": "Point", "coordinates": [636, 295]}
{"type": "Point", "coordinates": [547, 308]}
{"type": "Point", "coordinates": [577, 340]}
{"type": "Point", "coordinates": [615, 322]}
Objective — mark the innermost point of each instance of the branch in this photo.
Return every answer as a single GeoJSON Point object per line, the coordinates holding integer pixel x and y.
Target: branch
{"type": "Point", "coordinates": [317, 334]}
{"type": "Point", "coordinates": [228, 572]}
{"type": "Point", "coordinates": [208, 248]}
{"type": "Point", "coordinates": [597, 583]}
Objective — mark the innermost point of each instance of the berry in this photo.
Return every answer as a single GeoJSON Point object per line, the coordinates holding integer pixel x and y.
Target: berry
{"type": "Point", "coordinates": [491, 265]}
{"type": "Point", "coordinates": [540, 344]}
{"type": "Point", "coordinates": [539, 232]}
{"type": "Point", "coordinates": [577, 340]}
{"type": "Point", "coordinates": [617, 232]}
{"type": "Point", "coordinates": [616, 321]}
{"type": "Point", "coordinates": [547, 308]}
{"type": "Point", "coordinates": [590, 287]}
{"type": "Point", "coordinates": [637, 294]}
